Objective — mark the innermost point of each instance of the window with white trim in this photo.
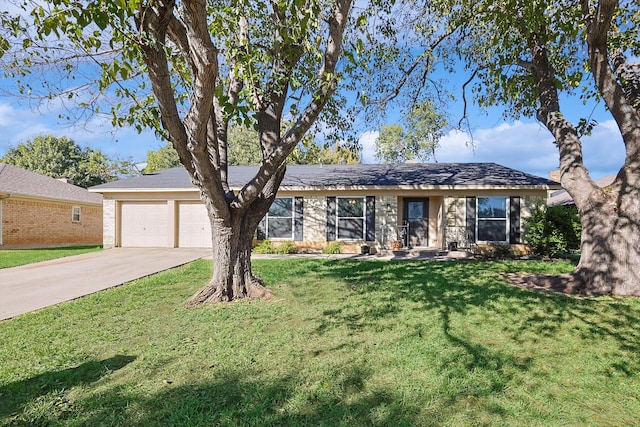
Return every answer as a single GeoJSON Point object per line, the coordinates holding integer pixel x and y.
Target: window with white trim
{"type": "Point", "coordinates": [75, 214]}
{"type": "Point", "coordinates": [492, 219]}
{"type": "Point", "coordinates": [351, 218]}
{"type": "Point", "coordinates": [280, 219]}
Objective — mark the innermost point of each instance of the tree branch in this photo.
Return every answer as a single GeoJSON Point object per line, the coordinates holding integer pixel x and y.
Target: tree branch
{"type": "Point", "coordinates": [419, 60]}
{"type": "Point", "coordinates": [155, 21]}
{"type": "Point", "coordinates": [573, 175]}
{"type": "Point", "coordinates": [327, 84]}
{"type": "Point", "coordinates": [626, 117]}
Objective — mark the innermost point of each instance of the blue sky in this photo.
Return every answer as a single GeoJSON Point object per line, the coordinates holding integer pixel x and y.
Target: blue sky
{"type": "Point", "coordinates": [525, 144]}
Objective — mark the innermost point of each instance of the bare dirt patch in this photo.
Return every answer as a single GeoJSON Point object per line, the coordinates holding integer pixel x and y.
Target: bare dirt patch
{"type": "Point", "coordinates": [560, 283]}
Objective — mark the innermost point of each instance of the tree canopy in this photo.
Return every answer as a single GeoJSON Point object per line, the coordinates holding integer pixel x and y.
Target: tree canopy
{"type": "Point", "coordinates": [60, 157]}
{"type": "Point", "coordinates": [245, 150]}
{"type": "Point", "coordinates": [525, 55]}
{"type": "Point", "coordinates": [164, 157]}
{"type": "Point", "coordinates": [191, 69]}
{"type": "Point", "coordinates": [418, 141]}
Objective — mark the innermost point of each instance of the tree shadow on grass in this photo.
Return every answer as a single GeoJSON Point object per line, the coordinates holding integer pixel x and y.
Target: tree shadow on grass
{"type": "Point", "coordinates": [448, 288]}
{"type": "Point", "coordinates": [239, 398]}
{"type": "Point", "coordinates": [14, 396]}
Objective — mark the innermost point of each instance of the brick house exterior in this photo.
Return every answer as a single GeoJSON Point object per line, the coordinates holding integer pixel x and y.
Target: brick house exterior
{"type": "Point", "coordinates": [39, 211]}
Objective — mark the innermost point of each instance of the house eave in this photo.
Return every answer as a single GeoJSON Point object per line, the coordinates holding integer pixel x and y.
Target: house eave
{"type": "Point", "coordinates": [321, 188]}
{"type": "Point", "coordinates": [439, 188]}
{"type": "Point", "coordinates": [144, 190]}
{"type": "Point", "coordinates": [49, 199]}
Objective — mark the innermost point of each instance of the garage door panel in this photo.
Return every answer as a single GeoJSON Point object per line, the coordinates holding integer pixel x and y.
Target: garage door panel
{"type": "Point", "coordinates": [144, 224]}
{"type": "Point", "coordinates": [194, 228]}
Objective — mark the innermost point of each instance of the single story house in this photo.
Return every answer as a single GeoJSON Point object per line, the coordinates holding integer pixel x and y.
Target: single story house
{"type": "Point", "coordinates": [40, 211]}
{"type": "Point", "coordinates": [435, 205]}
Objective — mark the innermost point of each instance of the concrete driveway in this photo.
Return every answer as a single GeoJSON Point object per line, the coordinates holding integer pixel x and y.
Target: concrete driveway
{"type": "Point", "coordinates": [34, 286]}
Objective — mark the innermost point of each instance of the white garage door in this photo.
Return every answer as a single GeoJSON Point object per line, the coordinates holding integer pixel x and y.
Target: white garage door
{"type": "Point", "coordinates": [194, 228]}
{"type": "Point", "coordinates": [144, 224]}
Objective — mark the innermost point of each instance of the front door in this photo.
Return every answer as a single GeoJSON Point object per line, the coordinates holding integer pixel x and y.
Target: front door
{"type": "Point", "coordinates": [416, 215]}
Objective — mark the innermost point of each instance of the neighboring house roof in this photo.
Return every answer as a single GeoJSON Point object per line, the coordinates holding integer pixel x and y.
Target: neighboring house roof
{"type": "Point", "coordinates": [20, 182]}
{"type": "Point", "coordinates": [562, 198]}
{"type": "Point", "coordinates": [406, 175]}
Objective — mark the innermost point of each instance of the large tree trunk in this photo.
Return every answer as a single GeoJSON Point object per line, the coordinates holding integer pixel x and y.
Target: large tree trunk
{"type": "Point", "coordinates": [199, 135]}
{"type": "Point", "coordinates": [232, 277]}
{"type": "Point", "coordinates": [610, 216]}
{"type": "Point", "coordinates": [610, 258]}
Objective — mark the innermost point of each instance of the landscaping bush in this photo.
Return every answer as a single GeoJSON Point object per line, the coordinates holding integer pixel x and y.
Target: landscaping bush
{"type": "Point", "coordinates": [286, 247]}
{"type": "Point", "coordinates": [268, 247]}
{"type": "Point", "coordinates": [264, 247]}
{"type": "Point", "coordinates": [332, 248]}
{"type": "Point", "coordinates": [553, 231]}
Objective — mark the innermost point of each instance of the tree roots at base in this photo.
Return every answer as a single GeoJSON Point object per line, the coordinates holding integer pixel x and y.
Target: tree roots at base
{"type": "Point", "coordinates": [212, 293]}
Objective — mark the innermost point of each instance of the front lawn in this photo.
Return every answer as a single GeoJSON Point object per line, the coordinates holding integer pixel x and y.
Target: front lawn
{"type": "Point", "coordinates": [342, 343]}
{"type": "Point", "coordinates": [14, 258]}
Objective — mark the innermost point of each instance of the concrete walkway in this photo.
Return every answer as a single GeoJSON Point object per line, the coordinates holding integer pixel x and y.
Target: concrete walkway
{"type": "Point", "coordinates": [34, 286]}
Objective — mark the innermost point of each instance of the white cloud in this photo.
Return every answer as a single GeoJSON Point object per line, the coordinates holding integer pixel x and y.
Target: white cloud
{"type": "Point", "coordinates": [604, 150]}
{"type": "Point", "coordinates": [368, 146]}
{"type": "Point", "coordinates": [528, 147]}
{"type": "Point", "coordinates": [18, 125]}
{"type": "Point", "coordinates": [523, 146]}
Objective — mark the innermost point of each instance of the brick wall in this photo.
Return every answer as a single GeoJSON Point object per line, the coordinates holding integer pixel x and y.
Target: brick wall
{"type": "Point", "coordinates": [28, 222]}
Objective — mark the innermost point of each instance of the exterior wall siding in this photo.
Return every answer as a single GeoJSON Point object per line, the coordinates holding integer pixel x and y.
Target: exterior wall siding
{"type": "Point", "coordinates": [109, 228]}
{"type": "Point", "coordinates": [386, 219]}
{"type": "Point", "coordinates": [435, 222]}
{"type": "Point", "coordinates": [447, 213]}
{"type": "Point", "coordinates": [31, 222]}
{"type": "Point", "coordinates": [315, 220]}
{"type": "Point", "coordinates": [455, 215]}
{"type": "Point", "coordinates": [455, 225]}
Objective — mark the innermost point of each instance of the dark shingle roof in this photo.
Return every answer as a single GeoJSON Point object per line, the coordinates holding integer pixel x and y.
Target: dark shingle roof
{"type": "Point", "coordinates": [17, 181]}
{"type": "Point", "coordinates": [339, 176]}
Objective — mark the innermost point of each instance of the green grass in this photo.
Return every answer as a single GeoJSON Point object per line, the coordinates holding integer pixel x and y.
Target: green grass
{"type": "Point", "coordinates": [14, 258]}
{"type": "Point", "coordinates": [342, 343]}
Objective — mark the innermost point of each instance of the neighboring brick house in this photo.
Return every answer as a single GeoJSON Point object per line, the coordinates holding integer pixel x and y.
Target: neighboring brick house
{"type": "Point", "coordinates": [39, 211]}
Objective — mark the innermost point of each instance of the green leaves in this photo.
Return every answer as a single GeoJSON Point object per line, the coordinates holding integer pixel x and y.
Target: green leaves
{"type": "Point", "coordinates": [424, 128]}
{"type": "Point", "coordinates": [63, 158]}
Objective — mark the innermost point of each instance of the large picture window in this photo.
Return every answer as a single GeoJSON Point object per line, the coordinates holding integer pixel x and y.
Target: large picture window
{"type": "Point", "coordinates": [351, 218]}
{"type": "Point", "coordinates": [492, 219]}
{"type": "Point", "coordinates": [280, 219]}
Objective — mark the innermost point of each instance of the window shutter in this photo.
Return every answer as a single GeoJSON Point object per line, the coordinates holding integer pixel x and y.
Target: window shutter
{"type": "Point", "coordinates": [514, 220]}
{"type": "Point", "coordinates": [298, 219]}
{"type": "Point", "coordinates": [370, 219]}
{"type": "Point", "coordinates": [261, 233]}
{"type": "Point", "coordinates": [471, 219]}
{"type": "Point", "coordinates": [331, 218]}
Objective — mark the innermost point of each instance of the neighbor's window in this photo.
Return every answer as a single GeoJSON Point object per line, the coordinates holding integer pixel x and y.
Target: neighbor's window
{"type": "Point", "coordinates": [280, 219]}
{"type": "Point", "coordinates": [351, 218]}
{"type": "Point", "coordinates": [492, 219]}
{"type": "Point", "coordinates": [75, 214]}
